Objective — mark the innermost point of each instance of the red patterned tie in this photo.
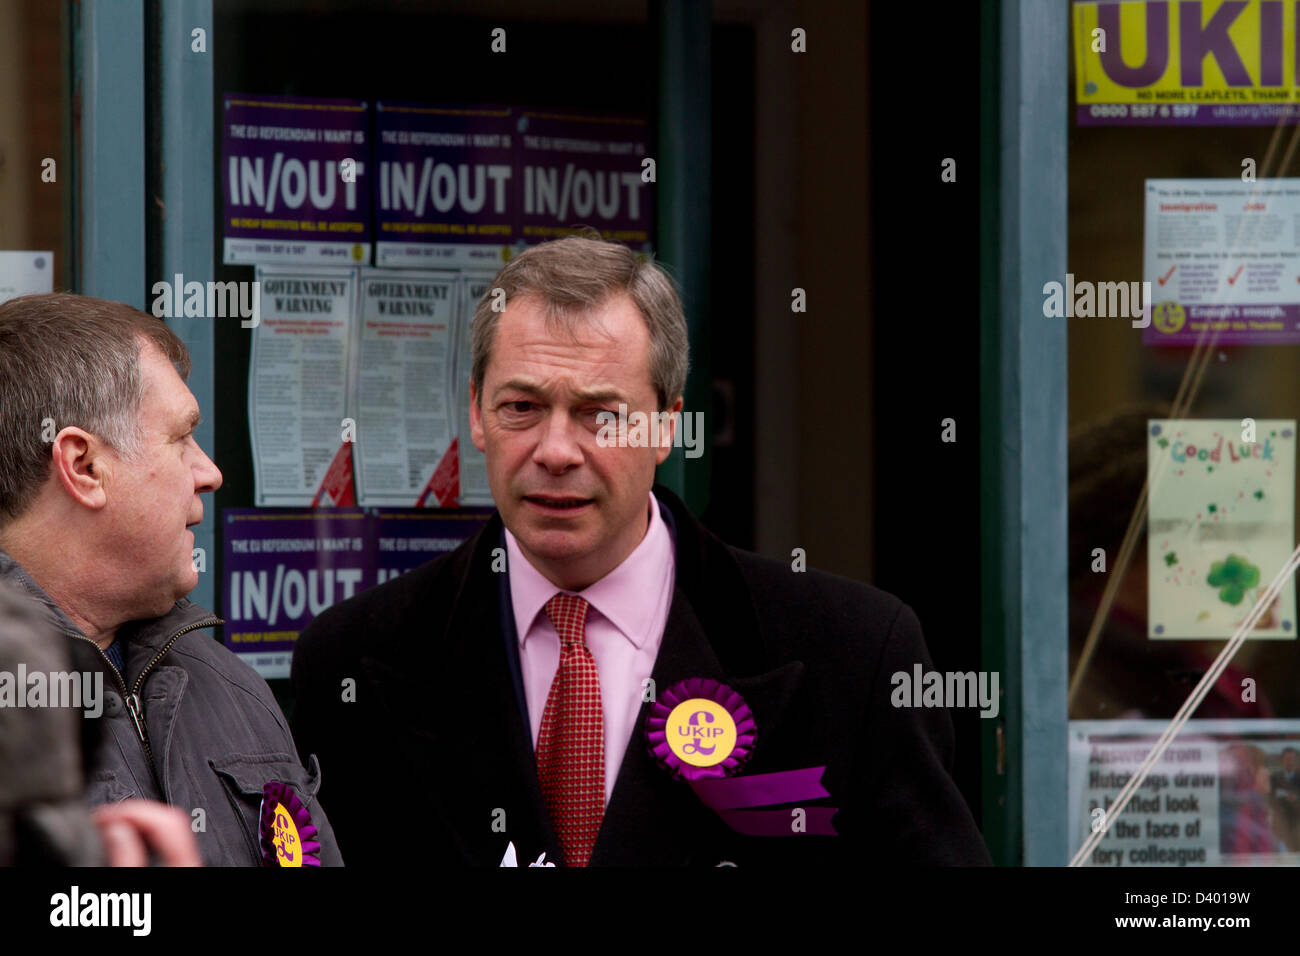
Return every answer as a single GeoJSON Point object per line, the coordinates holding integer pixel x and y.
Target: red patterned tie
{"type": "Point", "coordinates": [571, 744]}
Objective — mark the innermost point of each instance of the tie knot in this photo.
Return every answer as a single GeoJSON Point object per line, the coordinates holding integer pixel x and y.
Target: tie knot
{"type": "Point", "coordinates": [568, 613]}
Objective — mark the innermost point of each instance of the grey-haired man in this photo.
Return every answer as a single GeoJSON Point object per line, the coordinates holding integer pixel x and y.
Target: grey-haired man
{"type": "Point", "coordinates": [523, 682]}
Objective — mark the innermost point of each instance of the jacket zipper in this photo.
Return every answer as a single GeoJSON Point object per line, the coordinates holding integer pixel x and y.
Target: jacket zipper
{"type": "Point", "coordinates": [132, 699]}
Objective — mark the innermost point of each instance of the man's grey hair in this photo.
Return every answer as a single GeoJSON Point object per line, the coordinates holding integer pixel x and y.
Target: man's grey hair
{"type": "Point", "coordinates": [570, 277]}
{"type": "Point", "coordinates": [70, 360]}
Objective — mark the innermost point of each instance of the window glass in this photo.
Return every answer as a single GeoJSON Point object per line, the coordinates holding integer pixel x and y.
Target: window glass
{"type": "Point", "coordinates": [1182, 300]}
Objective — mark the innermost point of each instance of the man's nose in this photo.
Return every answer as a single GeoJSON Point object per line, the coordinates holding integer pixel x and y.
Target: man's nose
{"type": "Point", "coordinates": [557, 449]}
{"type": "Point", "coordinates": [207, 476]}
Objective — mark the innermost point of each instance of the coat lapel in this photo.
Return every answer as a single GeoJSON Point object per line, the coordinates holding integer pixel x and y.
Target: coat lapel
{"type": "Point", "coordinates": [457, 699]}
{"type": "Point", "coordinates": [652, 819]}
{"type": "Point", "coordinates": [712, 632]}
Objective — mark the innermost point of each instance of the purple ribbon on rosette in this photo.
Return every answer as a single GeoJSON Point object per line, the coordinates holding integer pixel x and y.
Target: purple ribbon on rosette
{"type": "Point", "coordinates": [282, 849]}
{"type": "Point", "coordinates": [744, 803]}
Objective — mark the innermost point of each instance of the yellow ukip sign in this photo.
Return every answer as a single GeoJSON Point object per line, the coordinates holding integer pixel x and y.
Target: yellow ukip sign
{"type": "Point", "coordinates": [1194, 62]}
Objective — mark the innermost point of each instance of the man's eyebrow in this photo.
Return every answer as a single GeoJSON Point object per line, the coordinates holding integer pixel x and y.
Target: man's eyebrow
{"type": "Point", "coordinates": [601, 395]}
{"type": "Point", "coordinates": [517, 385]}
{"type": "Point", "coordinates": [193, 419]}
{"type": "Point", "coordinates": [582, 395]}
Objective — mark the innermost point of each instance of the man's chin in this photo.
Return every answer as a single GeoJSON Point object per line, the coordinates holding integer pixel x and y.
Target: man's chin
{"type": "Point", "coordinates": [156, 608]}
{"type": "Point", "coordinates": [554, 545]}
{"type": "Point", "coordinates": [187, 583]}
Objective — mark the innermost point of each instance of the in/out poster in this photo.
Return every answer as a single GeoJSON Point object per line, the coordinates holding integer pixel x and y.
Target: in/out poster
{"type": "Point", "coordinates": [1220, 525]}
{"type": "Point", "coordinates": [284, 567]}
{"type": "Point", "coordinates": [579, 169]}
{"type": "Point", "coordinates": [445, 194]}
{"type": "Point", "coordinates": [297, 387]}
{"type": "Point", "coordinates": [295, 180]}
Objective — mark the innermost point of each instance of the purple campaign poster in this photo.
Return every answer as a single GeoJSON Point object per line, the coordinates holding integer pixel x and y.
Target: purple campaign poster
{"type": "Point", "coordinates": [445, 185]}
{"type": "Point", "coordinates": [585, 170]}
{"type": "Point", "coordinates": [282, 568]}
{"type": "Point", "coordinates": [295, 180]}
{"type": "Point", "coordinates": [406, 538]}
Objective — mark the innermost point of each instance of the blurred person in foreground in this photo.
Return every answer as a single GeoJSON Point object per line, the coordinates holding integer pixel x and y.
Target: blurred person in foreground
{"type": "Point", "coordinates": [44, 817]}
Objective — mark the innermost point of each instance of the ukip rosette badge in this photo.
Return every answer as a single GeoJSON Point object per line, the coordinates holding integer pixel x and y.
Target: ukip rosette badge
{"type": "Point", "coordinates": [700, 729]}
{"type": "Point", "coordinates": [288, 836]}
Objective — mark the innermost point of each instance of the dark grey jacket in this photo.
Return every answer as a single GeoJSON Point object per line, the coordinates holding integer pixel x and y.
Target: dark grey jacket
{"type": "Point", "coordinates": [192, 725]}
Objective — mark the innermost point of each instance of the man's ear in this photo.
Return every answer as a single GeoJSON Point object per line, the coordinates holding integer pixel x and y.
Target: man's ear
{"type": "Point", "coordinates": [81, 466]}
{"type": "Point", "coordinates": [669, 433]}
{"type": "Point", "coordinates": [476, 420]}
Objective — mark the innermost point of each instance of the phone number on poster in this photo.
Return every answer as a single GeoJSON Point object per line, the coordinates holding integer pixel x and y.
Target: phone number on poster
{"type": "Point", "coordinates": [1140, 110]}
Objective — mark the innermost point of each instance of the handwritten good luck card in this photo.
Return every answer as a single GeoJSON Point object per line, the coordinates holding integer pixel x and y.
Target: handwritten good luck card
{"type": "Point", "coordinates": [1220, 525]}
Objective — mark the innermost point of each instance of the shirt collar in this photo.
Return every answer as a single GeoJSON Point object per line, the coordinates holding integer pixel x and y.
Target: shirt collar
{"type": "Point", "coordinates": [620, 596]}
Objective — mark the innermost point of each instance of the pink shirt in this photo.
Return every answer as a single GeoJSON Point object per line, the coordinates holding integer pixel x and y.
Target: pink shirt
{"type": "Point", "coordinates": [625, 624]}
